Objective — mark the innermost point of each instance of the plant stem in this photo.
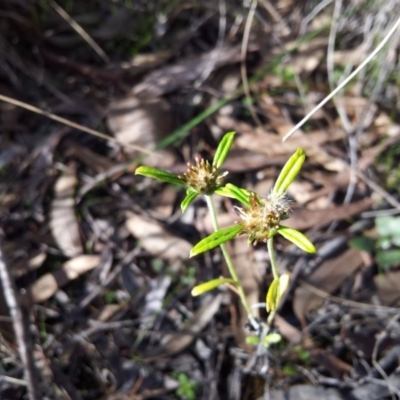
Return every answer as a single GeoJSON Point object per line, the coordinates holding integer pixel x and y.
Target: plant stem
{"type": "Point", "coordinates": [228, 259]}
{"type": "Point", "coordinates": [272, 258]}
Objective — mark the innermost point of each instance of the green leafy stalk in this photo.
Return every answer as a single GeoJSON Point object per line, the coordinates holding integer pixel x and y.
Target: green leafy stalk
{"type": "Point", "coordinates": [228, 259]}
{"type": "Point", "coordinates": [159, 174]}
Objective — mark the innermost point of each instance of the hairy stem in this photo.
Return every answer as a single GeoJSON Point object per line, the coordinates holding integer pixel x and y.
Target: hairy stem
{"type": "Point", "coordinates": [228, 259]}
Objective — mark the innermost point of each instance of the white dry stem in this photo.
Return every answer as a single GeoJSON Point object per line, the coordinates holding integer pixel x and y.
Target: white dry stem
{"type": "Point", "coordinates": [345, 82]}
{"type": "Point", "coordinates": [21, 333]}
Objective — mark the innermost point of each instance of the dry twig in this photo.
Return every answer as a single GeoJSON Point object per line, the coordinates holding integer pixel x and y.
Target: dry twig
{"type": "Point", "coordinates": [21, 332]}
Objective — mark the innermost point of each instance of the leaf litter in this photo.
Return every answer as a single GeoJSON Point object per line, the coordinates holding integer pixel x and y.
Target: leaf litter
{"type": "Point", "coordinates": [100, 257]}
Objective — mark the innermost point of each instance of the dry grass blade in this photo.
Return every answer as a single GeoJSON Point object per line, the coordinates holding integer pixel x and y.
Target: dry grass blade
{"type": "Point", "coordinates": [345, 82]}
{"type": "Point", "coordinates": [70, 123]}
{"type": "Point", "coordinates": [85, 36]}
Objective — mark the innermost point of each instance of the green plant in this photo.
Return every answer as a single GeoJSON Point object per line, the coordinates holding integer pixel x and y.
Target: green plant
{"type": "Point", "coordinates": [187, 387]}
{"type": "Point", "coordinates": [260, 217]}
{"type": "Point", "coordinates": [386, 246]}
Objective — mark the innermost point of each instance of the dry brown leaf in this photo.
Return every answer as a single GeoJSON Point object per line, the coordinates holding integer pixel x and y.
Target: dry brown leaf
{"type": "Point", "coordinates": [175, 343]}
{"type": "Point", "coordinates": [157, 240]}
{"type": "Point", "coordinates": [334, 365]}
{"type": "Point", "coordinates": [258, 141]}
{"type": "Point", "coordinates": [172, 77]}
{"type": "Point", "coordinates": [388, 288]}
{"type": "Point", "coordinates": [327, 278]}
{"type": "Point", "coordinates": [143, 123]}
{"type": "Point", "coordinates": [30, 263]}
{"type": "Point", "coordinates": [49, 283]}
{"type": "Point", "coordinates": [305, 219]}
{"type": "Point", "coordinates": [63, 223]}
{"type": "Point", "coordinates": [91, 159]}
{"type": "Point", "coordinates": [287, 330]}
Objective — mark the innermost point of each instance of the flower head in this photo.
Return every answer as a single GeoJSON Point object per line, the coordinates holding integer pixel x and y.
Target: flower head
{"type": "Point", "coordinates": [262, 218]}
{"type": "Point", "coordinates": [203, 177]}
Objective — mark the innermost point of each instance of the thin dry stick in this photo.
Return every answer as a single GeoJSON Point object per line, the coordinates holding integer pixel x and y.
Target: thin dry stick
{"type": "Point", "coordinates": [73, 124]}
{"type": "Point", "coordinates": [21, 333]}
{"type": "Point", "coordinates": [243, 69]}
{"type": "Point", "coordinates": [383, 335]}
{"type": "Point", "coordinates": [344, 83]}
{"type": "Point", "coordinates": [345, 302]}
{"type": "Point", "coordinates": [220, 42]}
{"type": "Point", "coordinates": [275, 16]}
{"type": "Point", "coordinates": [80, 31]}
{"type": "Point", "coordinates": [378, 189]}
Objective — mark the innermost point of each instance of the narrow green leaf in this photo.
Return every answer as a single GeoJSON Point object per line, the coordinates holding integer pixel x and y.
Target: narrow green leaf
{"type": "Point", "coordinates": [235, 192]}
{"type": "Point", "coordinates": [159, 174]}
{"type": "Point", "coordinates": [283, 285]}
{"type": "Point", "coordinates": [210, 285]}
{"type": "Point", "coordinates": [215, 239]}
{"type": "Point", "coordinates": [289, 171]}
{"type": "Point", "coordinates": [190, 196]}
{"type": "Point", "coordinates": [276, 291]}
{"type": "Point", "coordinates": [271, 296]}
{"type": "Point", "coordinates": [223, 149]}
{"type": "Point", "coordinates": [298, 238]}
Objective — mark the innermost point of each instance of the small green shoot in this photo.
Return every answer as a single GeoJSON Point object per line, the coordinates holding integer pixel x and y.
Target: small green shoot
{"type": "Point", "coordinates": [187, 387]}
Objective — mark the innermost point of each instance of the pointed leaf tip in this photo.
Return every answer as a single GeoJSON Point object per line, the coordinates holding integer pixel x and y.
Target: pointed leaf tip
{"type": "Point", "coordinates": [223, 149]}
{"type": "Point", "coordinates": [297, 238]}
{"type": "Point", "coordinates": [289, 172]}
